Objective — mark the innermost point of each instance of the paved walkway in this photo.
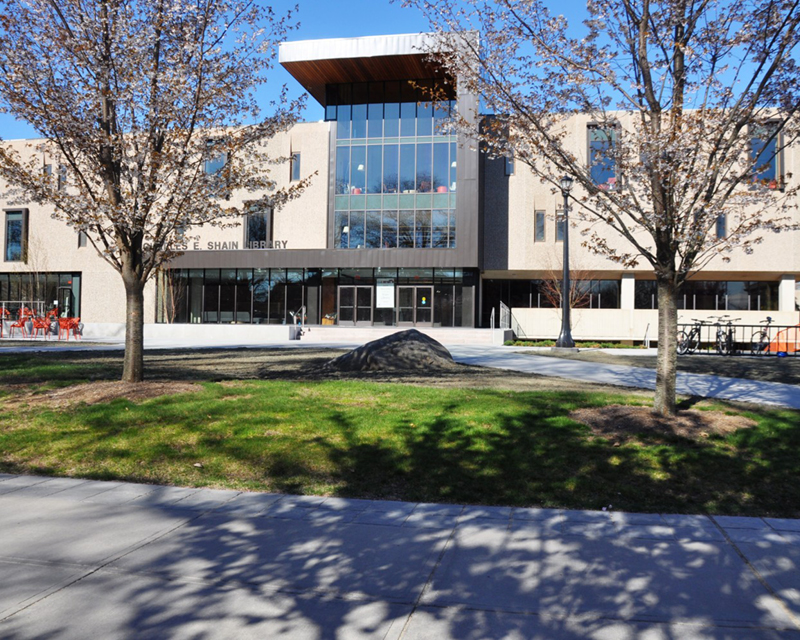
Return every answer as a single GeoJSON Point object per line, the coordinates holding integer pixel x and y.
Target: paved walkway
{"type": "Point", "coordinates": [518, 359]}
{"type": "Point", "coordinates": [82, 559]}
{"type": "Point", "coordinates": [693, 384]}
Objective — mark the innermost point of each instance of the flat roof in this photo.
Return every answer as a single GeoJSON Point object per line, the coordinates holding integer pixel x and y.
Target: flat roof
{"type": "Point", "coordinates": [316, 63]}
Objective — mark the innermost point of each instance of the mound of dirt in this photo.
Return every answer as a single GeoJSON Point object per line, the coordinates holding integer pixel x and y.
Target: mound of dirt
{"type": "Point", "coordinates": [402, 351]}
{"type": "Point", "coordinates": [621, 422]}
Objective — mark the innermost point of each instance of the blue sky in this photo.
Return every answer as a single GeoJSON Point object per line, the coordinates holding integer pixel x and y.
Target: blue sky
{"type": "Point", "coordinates": [318, 19]}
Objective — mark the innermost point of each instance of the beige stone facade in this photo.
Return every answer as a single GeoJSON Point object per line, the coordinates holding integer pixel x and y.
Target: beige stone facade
{"type": "Point", "coordinates": [497, 256]}
{"type": "Point", "coordinates": [513, 253]}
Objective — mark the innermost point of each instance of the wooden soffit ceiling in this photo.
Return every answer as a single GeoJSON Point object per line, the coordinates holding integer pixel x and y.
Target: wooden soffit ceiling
{"type": "Point", "coordinates": [315, 74]}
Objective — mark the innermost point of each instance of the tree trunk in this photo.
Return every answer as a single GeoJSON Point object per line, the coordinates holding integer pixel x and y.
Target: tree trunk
{"type": "Point", "coordinates": [667, 361]}
{"type": "Point", "coordinates": [133, 366]}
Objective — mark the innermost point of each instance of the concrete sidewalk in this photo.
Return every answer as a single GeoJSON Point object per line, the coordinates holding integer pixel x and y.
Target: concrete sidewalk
{"type": "Point", "coordinates": [83, 559]}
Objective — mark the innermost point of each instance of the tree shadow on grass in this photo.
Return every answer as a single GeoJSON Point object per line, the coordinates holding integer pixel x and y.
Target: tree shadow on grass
{"type": "Point", "coordinates": [537, 457]}
{"type": "Point", "coordinates": [521, 452]}
{"type": "Point", "coordinates": [300, 569]}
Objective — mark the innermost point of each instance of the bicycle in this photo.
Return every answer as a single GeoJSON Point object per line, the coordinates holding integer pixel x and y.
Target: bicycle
{"type": "Point", "coordinates": [725, 335]}
{"type": "Point", "coordinates": [690, 342]}
{"type": "Point", "coordinates": [760, 340]}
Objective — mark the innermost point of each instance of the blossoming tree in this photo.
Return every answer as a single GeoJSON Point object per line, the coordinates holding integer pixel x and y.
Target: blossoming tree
{"type": "Point", "coordinates": [689, 100]}
{"type": "Point", "coordinates": [150, 107]}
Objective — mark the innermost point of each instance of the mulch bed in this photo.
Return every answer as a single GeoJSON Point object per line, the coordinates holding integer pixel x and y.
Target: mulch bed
{"type": "Point", "coordinates": [622, 422]}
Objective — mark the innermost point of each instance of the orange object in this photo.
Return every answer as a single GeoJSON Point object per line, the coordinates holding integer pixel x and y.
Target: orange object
{"type": "Point", "coordinates": [41, 324]}
{"type": "Point", "coordinates": [787, 340]}
{"type": "Point", "coordinates": [67, 326]}
{"type": "Point", "coordinates": [19, 324]}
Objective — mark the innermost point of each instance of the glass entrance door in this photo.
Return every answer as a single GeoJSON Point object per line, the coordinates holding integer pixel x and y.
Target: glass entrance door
{"type": "Point", "coordinates": [415, 305]}
{"type": "Point", "coordinates": [355, 305]}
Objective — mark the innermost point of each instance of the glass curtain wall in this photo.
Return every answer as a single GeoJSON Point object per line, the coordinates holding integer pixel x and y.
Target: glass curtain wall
{"type": "Point", "coordinates": [395, 179]}
{"type": "Point", "coordinates": [708, 295]}
{"type": "Point", "coordinates": [544, 294]}
{"type": "Point", "coordinates": [43, 290]}
{"type": "Point", "coordinates": [271, 296]}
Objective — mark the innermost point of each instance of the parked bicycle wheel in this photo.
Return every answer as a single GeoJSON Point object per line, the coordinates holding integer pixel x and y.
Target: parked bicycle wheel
{"type": "Point", "coordinates": [759, 342]}
{"type": "Point", "coordinates": [723, 343]}
{"type": "Point", "coordinates": [685, 343]}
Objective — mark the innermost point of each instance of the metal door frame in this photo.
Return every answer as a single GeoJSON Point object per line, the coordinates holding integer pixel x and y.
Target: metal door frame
{"type": "Point", "coordinates": [415, 322]}
{"type": "Point", "coordinates": [355, 287]}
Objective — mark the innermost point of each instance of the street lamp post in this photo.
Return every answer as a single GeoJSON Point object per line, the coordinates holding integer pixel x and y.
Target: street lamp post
{"type": "Point", "coordinates": [565, 340]}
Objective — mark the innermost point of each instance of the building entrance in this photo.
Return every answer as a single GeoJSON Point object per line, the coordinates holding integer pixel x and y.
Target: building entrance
{"type": "Point", "coordinates": [415, 305]}
{"type": "Point", "coordinates": [355, 305]}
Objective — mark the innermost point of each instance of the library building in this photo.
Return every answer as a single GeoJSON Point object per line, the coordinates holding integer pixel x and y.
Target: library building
{"type": "Point", "coordinates": [405, 223]}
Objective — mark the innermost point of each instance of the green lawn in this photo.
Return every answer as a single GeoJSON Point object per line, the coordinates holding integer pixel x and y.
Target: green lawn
{"type": "Point", "coordinates": [358, 439]}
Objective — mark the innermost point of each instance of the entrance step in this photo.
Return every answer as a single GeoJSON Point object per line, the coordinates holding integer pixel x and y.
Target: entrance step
{"type": "Point", "coordinates": [362, 335]}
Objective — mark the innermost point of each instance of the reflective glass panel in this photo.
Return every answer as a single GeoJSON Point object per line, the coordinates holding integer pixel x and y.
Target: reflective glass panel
{"type": "Point", "coordinates": [374, 169]}
{"type": "Point", "coordinates": [390, 167]}
{"type": "Point", "coordinates": [407, 158]}
{"type": "Point", "coordinates": [373, 230]}
{"type": "Point", "coordinates": [391, 120]}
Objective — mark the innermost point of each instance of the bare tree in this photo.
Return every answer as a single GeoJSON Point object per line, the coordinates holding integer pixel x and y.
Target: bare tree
{"type": "Point", "coordinates": [35, 266]}
{"type": "Point", "coordinates": [151, 105]}
{"type": "Point", "coordinates": [689, 102]}
{"type": "Point", "coordinates": [550, 285]}
{"type": "Point", "coordinates": [171, 293]}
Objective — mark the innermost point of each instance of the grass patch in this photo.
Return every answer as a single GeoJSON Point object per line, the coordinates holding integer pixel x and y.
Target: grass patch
{"type": "Point", "coordinates": [359, 439]}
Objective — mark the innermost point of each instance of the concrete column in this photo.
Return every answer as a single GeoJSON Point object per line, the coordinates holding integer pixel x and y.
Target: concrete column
{"type": "Point", "coordinates": [627, 291]}
{"type": "Point", "coordinates": [786, 292]}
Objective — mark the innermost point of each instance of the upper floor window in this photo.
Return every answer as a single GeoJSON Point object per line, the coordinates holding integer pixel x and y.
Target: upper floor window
{"type": "Point", "coordinates": [509, 166]}
{"type": "Point", "coordinates": [82, 239]}
{"type": "Point", "coordinates": [765, 154]}
{"type": "Point", "coordinates": [295, 166]}
{"type": "Point", "coordinates": [62, 177]}
{"type": "Point", "coordinates": [214, 165]}
{"type": "Point", "coordinates": [16, 236]}
{"type": "Point", "coordinates": [258, 230]}
{"type": "Point", "coordinates": [722, 226]}
{"type": "Point", "coordinates": [389, 109]}
{"type": "Point", "coordinates": [538, 226]}
{"type": "Point", "coordinates": [216, 158]}
{"type": "Point", "coordinates": [602, 166]}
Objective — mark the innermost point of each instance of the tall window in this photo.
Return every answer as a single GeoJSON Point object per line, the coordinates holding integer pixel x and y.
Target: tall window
{"type": "Point", "coordinates": [81, 239]}
{"type": "Point", "coordinates": [16, 236]}
{"type": "Point", "coordinates": [396, 167]}
{"type": "Point", "coordinates": [295, 166]}
{"type": "Point", "coordinates": [765, 155]}
{"type": "Point", "coordinates": [560, 226]}
{"type": "Point", "coordinates": [538, 226]}
{"type": "Point", "coordinates": [214, 165]}
{"type": "Point", "coordinates": [602, 165]}
{"type": "Point", "coordinates": [216, 158]}
{"type": "Point", "coordinates": [258, 230]}
{"type": "Point", "coordinates": [62, 177]}
{"type": "Point", "coordinates": [722, 226]}
{"type": "Point", "coordinates": [509, 166]}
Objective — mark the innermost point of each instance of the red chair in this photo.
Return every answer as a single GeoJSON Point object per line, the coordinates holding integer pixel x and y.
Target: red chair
{"type": "Point", "coordinates": [41, 324]}
{"type": "Point", "coordinates": [19, 324]}
{"type": "Point", "coordinates": [75, 327]}
{"type": "Point", "coordinates": [67, 326]}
